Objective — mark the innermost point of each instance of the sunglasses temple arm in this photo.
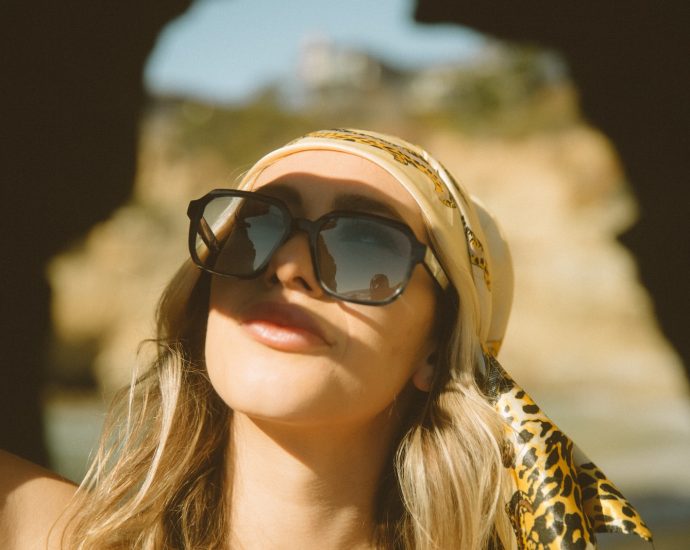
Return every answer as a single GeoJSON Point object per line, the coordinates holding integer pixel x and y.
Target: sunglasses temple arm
{"type": "Point", "coordinates": [434, 267]}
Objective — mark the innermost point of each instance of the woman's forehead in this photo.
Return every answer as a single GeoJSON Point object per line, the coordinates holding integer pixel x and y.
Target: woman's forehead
{"type": "Point", "coordinates": [332, 165]}
{"type": "Point", "coordinates": [331, 173]}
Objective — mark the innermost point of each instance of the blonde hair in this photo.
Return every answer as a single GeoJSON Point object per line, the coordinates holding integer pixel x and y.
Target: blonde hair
{"type": "Point", "coordinates": [157, 480]}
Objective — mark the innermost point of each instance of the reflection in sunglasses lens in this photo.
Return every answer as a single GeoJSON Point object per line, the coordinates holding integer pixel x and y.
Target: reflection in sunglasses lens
{"type": "Point", "coordinates": [248, 231]}
{"type": "Point", "coordinates": [363, 259]}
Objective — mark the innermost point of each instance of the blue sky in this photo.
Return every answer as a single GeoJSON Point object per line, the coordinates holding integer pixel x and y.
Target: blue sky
{"type": "Point", "coordinates": [223, 50]}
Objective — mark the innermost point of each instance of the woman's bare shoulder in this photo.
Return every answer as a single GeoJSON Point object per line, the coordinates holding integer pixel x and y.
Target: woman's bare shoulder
{"type": "Point", "coordinates": [32, 500]}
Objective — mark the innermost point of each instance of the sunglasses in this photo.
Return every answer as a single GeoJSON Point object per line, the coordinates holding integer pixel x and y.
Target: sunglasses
{"type": "Point", "coordinates": [357, 257]}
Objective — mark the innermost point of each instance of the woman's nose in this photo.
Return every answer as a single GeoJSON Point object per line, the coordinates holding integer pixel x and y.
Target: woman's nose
{"type": "Point", "coordinates": [292, 266]}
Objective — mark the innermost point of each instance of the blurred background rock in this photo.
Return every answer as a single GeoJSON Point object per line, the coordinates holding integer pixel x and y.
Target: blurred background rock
{"type": "Point", "coordinates": [582, 339]}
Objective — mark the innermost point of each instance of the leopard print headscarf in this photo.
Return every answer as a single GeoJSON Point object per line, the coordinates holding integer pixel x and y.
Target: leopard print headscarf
{"type": "Point", "coordinates": [560, 498]}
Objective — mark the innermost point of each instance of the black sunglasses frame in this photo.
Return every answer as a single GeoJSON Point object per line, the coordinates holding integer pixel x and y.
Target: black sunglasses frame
{"type": "Point", "coordinates": [420, 253]}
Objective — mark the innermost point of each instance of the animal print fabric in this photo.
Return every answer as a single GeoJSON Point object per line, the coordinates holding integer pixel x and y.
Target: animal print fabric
{"type": "Point", "coordinates": [561, 499]}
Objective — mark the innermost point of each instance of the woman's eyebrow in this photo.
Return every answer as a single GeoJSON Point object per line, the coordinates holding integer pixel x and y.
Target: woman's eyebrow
{"type": "Point", "coordinates": [353, 201]}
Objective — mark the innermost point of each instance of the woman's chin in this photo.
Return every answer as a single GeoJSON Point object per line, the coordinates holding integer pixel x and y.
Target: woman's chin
{"type": "Point", "coordinates": [282, 391]}
{"type": "Point", "coordinates": [285, 414]}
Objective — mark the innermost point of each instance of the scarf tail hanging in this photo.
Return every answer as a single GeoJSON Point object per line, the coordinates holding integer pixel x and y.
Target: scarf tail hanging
{"type": "Point", "coordinates": [560, 498]}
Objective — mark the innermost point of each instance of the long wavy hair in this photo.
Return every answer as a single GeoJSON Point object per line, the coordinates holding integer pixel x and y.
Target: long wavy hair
{"type": "Point", "coordinates": [157, 479]}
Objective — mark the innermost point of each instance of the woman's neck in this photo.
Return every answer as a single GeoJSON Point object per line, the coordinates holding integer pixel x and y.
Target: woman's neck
{"type": "Point", "coordinates": [297, 487]}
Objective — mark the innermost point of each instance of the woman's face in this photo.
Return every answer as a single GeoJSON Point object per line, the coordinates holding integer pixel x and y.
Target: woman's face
{"type": "Point", "coordinates": [279, 348]}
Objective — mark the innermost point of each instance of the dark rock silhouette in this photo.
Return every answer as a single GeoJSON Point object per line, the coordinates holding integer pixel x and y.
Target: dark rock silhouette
{"type": "Point", "coordinates": [72, 93]}
{"type": "Point", "coordinates": [629, 64]}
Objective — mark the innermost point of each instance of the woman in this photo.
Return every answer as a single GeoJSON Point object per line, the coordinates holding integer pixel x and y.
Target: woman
{"type": "Point", "coordinates": [327, 379]}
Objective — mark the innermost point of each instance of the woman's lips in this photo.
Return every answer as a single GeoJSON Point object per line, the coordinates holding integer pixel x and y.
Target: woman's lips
{"type": "Point", "coordinates": [283, 326]}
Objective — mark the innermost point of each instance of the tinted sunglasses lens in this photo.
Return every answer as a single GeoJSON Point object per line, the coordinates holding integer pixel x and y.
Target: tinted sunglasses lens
{"type": "Point", "coordinates": [237, 235]}
{"type": "Point", "coordinates": [362, 259]}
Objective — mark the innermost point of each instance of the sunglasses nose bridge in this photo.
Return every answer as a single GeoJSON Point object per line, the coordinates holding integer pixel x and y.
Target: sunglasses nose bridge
{"type": "Point", "coordinates": [306, 226]}
{"type": "Point", "coordinates": [303, 224]}
{"type": "Point", "coordinates": [311, 229]}
{"type": "Point", "coordinates": [288, 262]}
